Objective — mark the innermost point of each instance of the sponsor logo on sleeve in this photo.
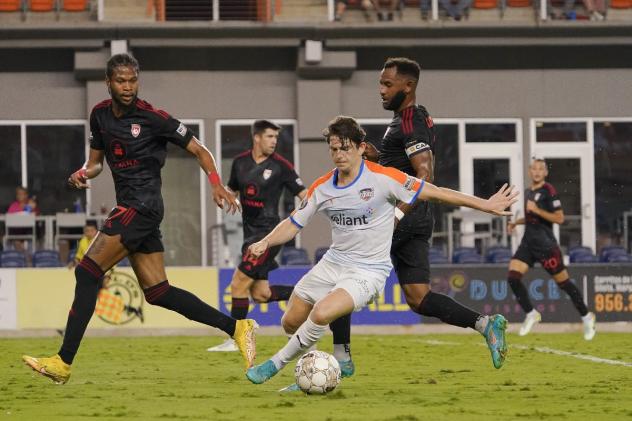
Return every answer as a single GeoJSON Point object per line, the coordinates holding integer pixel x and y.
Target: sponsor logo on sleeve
{"type": "Point", "coordinates": [409, 184]}
{"type": "Point", "coordinates": [557, 203]}
{"type": "Point", "coordinates": [181, 130]}
{"type": "Point", "coordinates": [303, 204]}
{"type": "Point", "coordinates": [135, 130]}
{"type": "Point", "coordinates": [299, 181]}
{"type": "Point", "coordinates": [411, 150]}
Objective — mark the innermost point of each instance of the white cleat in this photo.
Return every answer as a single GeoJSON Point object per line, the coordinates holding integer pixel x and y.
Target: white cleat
{"type": "Point", "coordinates": [532, 318]}
{"type": "Point", "coordinates": [589, 326]}
{"type": "Point", "coordinates": [227, 346]}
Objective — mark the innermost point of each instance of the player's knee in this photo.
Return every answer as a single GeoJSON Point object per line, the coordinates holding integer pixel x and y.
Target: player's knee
{"type": "Point", "coordinates": [320, 316]}
{"type": "Point", "coordinates": [238, 288]}
{"type": "Point", "coordinates": [260, 296]}
{"type": "Point", "coordinates": [290, 326]}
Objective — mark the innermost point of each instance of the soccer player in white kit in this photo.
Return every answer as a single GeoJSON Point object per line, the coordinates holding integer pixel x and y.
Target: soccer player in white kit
{"type": "Point", "coordinates": [359, 198]}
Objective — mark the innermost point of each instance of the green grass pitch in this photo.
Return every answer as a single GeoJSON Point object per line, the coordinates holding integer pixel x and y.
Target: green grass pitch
{"type": "Point", "coordinates": [411, 377]}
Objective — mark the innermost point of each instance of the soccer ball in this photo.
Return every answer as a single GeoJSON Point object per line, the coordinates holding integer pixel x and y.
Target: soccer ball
{"type": "Point", "coordinates": [317, 373]}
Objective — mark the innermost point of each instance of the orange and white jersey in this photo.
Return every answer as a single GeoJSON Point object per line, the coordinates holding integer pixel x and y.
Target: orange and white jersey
{"type": "Point", "coordinates": [361, 213]}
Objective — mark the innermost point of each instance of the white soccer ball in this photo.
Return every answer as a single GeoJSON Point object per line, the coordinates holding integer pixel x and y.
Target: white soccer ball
{"type": "Point", "coordinates": [317, 373]}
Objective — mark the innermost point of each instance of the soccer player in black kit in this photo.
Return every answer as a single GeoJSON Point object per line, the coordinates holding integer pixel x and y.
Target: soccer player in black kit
{"type": "Point", "coordinates": [132, 136]}
{"type": "Point", "coordinates": [408, 145]}
{"type": "Point", "coordinates": [258, 176]}
{"type": "Point", "coordinates": [542, 209]}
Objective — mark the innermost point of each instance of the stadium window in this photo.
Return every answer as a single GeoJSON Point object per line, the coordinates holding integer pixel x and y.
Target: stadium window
{"type": "Point", "coordinates": [560, 131]}
{"type": "Point", "coordinates": [565, 176]}
{"type": "Point", "coordinates": [612, 151]}
{"type": "Point", "coordinates": [11, 168]}
{"type": "Point", "coordinates": [183, 237]}
{"type": "Point", "coordinates": [54, 149]}
{"type": "Point", "coordinates": [490, 132]}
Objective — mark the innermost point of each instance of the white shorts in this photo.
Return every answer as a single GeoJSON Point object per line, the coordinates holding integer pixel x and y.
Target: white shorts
{"type": "Point", "coordinates": [363, 285]}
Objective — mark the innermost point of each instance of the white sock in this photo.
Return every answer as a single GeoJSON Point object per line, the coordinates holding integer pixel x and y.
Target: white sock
{"type": "Point", "coordinates": [307, 335]}
{"type": "Point", "coordinates": [481, 324]}
{"type": "Point", "coordinates": [342, 352]}
{"type": "Point", "coordinates": [587, 317]}
{"type": "Point", "coordinates": [533, 312]}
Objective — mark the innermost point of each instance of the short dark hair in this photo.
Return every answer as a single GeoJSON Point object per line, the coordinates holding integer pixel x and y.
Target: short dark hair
{"type": "Point", "coordinates": [260, 126]}
{"type": "Point", "coordinates": [345, 128]}
{"type": "Point", "coordinates": [126, 60]}
{"type": "Point", "coordinates": [92, 224]}
{"type": "Point", "coordinates": [404, 66]}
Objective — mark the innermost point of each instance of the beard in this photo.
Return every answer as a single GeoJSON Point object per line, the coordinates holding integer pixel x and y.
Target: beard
{"type": "Point", "coordinates": [395, 102]}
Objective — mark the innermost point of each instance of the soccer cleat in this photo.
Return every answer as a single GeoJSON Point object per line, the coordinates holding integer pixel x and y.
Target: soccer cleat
{"type": "Point", "coordinates": [245, 340]}
{"type": "Point", "coordinates": [52, 367]}
{"type": "Point", "coordinates": [495, 337]}
{"type": "Point", "coordinates": [262, 372]}
{"type": "Point", "coordinates": [227, 346]}
{"type": "Point", "coordinates": [530, 320]}
{"type": "Point", "coordinates": [589, 326]}
{"type": "Point", "coordinates": [290, 389]}
{"type": "Point", "coordinates": [347, 368]}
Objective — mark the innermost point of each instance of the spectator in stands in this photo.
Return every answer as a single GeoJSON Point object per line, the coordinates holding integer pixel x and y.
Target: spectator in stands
{"type": "Point", "coordinates": [22, 204]}
{"type": "Point", "coordinates": [596, 9]}
{"type": "Point", "coordinates": [456, 9]}
{"type": "Point", "coordinates": [384, 13]}
{"type": "Point", "coordinates": [89, 232]}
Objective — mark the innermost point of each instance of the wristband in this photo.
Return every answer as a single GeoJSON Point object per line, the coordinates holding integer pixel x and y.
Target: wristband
{"type": "Point", "coordinates": [213, 178]}
{"type": "Point", "coordinates": [399, 214]}
{"type": "Point", "coordinates": [83, 173]}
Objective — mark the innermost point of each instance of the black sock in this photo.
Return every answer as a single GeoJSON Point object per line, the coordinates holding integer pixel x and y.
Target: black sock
{"type": "Point", "coordinates": [341, 328]}
{"type": "Point", "coordinates": [88, 274]}
{"type": "Point", "coordinates": [280, 292]}
{"type": "Point", "coordinates": [573, 292]}
{"type": "Point", "coordinates": [447, 310]}
{"type": "Point", "coordinates": [239, 308]}
{"type": "Point", "coordinates": [519, 290]}
{"type": "Point", "coordinates": [190, 306]}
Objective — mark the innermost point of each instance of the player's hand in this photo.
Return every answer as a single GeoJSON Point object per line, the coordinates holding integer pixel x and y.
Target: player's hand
{"type": "Point", "coordinates": [223, 197]}
{"type": "Point", "coordinates": [255, 250]}
{"type": "Point", "coordinates": [532, 207]}
{"type": "Point", "coordinates": [79, 179]}
{"type": "Point", "coordinates": [510, 227]}
{"type": "Point", "coordinates": [371, 153]}
{"type": "Point", "coordinates": [503, 199]}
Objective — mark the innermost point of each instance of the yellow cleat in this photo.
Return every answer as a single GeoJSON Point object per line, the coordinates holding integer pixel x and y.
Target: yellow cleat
{"type": "Point", "coordinates": [52, 367]}
{"type": "Point", "coordinates": [245, 340]}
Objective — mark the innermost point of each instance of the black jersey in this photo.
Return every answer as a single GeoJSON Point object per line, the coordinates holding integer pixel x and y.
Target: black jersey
{"type": "Point", "coordinates": [260, 187]}
{"type": "Point", "coordinates": [410, 132]}
{"type": "Point", "coordinates": [545, 198]}
{"type": "Point", "coordinates": [135, 148]}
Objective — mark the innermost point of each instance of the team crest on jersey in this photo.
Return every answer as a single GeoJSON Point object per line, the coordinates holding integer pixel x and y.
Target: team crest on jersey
{"type": "Point", "coordinates": [135, 130]}
{"type": "Point", "coordinates": [537, 197]}
{"type": "Point", "coordinates": [267, 173]}
{"type": "Point", "coordinates": [367, 194]}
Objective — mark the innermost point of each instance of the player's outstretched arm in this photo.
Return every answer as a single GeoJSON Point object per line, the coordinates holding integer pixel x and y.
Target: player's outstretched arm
{"type": "Point", "coordinates": [207, 162]}
{"type": "Point", "coordinates": [281, 234]}
{"type": "Point", "coordinates": [501, 200]}
{"type": "Point", "coordinates": [92, 167]}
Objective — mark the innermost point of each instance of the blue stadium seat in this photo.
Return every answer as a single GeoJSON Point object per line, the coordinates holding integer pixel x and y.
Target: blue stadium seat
{"type": "Point", "coordinates": [295, 254]}
{"type": "Point", "coordinates": [12, 259]}
{"type": "Point", "coordinates": [463, 251]}
{"type": "Point", "coordinates": [498, 255]}
{"type": "Point", "coordinates": [468, 258]}
{"type": "Point", "coordinates": [619, 258]}
{"type": "Point", "coordinates": [609, 251]}
{"type": "Point", "coordinates": [297, 260]}
{"type": "Point", "coordinates": [584, 258]}
{"type": "Point", "coordinates": [46, 259]}
{"type": "Point", "coordinates": [575, 252]}
{"type": "Point", "coordinates": [437, 259]}
{"type": "Point", "coordinates": [320, 252]}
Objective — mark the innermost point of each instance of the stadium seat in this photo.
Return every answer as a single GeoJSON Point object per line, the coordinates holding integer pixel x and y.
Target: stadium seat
{"type": "Point", "coordinates": [41, 5]}
{"type": "Point", "coordinates": [295, 255]}
{"type": "Point", "coordinates": [498, 255]}
{"type": "Point", "coordinates": [485, 4]}
{"type": "Point", "coordinates": [75, 5]}
{"type": "Point", "coordinates": [620, 4]}
{"type": "Point", "coordinates": [320, 252]}
{"type": "Point", "coordinates": [462, 251]}
{"type": "Point", "coordinates": [10, 5]}
{"type": "Point", "coordinates": [584, 258]}
{"type": "Point", "coordinates": [12, 259]}
{"type": "Point", "coordinates": [619, 258]}
{"type": "Point", "coordinates": [468, 258]}
{"type": "Point", "coordinates": [609, 251]}
{"type": "Point", "coordinates": [438, 259]}
{"type": "Point", "coordinates": [46, 259]}
{"type": "Point", "coordinates": [519, 3]}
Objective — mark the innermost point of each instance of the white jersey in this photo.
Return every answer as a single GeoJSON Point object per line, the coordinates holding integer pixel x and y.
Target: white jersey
{"type": "Point", "coordinates": [361, 213]}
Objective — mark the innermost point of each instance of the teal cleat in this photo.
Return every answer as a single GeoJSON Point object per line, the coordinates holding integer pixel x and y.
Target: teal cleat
{"type": "Point", "coordinates": [347, 368]}
{"type": "Point", "coordinates": [262, 372]}
{"type": "Point", "coordinates": [495, 337]}
{"type": "Point", "coordinates": [290, 389]}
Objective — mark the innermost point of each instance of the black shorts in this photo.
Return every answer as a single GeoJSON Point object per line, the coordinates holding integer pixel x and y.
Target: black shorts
{"type": "Point", "coordinates": [545, 250]}
{"type": "Point", "coordinates": [409, 253]}
{"type": "Point", "coordinates": [139, 233]}
{"type": "Point", "coordinates": [258, 268]}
